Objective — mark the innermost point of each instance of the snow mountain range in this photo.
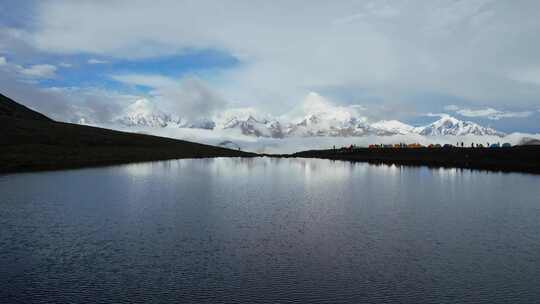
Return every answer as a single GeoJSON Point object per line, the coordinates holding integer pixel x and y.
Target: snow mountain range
{"type": "Point", "coordinates": [261, 127]}
{"type": "Point", "coordinates": [335, 122]}
{"type": "Point", "coordinates": [143, 113]}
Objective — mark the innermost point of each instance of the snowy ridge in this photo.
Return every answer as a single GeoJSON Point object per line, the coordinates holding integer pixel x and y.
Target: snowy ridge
{"type": "Point", "coordinates": [393, 127]}
{"type": "Point", "coordinates": [255, 127]}
{"type": "Point", "coordinates": [318, 118]}
{"type": "Point", "coordinates": [249, 122]}
{"type": "Point", "coordinates": [143, 113]}
{"type": "Point", "coordinates": [448, 125]}
{"type": "Point", "coordinates": [323, 125]}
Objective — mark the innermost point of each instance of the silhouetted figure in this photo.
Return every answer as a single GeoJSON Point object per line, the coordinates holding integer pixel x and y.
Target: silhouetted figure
{"type": "Point", "coordinates": [462, 144]}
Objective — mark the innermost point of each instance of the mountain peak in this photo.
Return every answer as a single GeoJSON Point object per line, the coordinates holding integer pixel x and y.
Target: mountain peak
{"type": "Point", "coordinates": [447, 119]}
{"type": "Point", "coordinates": [393, 126]}
{"type": "Point", "coordinates": [320, 118]}
{"type": "Point", "coordinates": [142, 107]}
{"type": "Point", "coordinates": [448, 125]}
{"type": "Point", "coordinates": [144, 113]}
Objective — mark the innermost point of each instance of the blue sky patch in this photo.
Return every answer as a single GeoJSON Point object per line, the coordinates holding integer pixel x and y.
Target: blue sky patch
{"type": "Point", "coordinates": [89, 71]}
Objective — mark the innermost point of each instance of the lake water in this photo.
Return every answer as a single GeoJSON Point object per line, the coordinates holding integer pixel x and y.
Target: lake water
{"type": "Point", "coordinates": [269, 231]}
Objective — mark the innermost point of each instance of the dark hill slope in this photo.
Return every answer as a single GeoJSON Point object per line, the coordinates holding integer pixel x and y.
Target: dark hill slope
{"type": "Point", "coordinates": [31, 141]}
{"type": "Point", "coordinates": [527, 141]}
{"type": "Point", "coordinates": [12, 109]}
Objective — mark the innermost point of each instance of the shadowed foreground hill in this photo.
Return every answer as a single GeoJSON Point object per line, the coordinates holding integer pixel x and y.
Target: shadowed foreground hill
{"type": "Point", "coordinates": [31, 141]}
{"type": "Point", "coordinates": [10, 108]}
{"type": "Point", "coordinates": [514, 159]}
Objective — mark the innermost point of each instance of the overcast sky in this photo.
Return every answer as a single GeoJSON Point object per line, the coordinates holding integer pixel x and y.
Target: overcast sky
{"type": "Point", "coordinates": [476, 59]}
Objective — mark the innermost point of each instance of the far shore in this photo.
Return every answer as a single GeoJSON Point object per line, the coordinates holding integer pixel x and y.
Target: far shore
{"type": "Point", "coordinates": [31, 141]}
{"type": "Point", "coordinates": [507, 159]}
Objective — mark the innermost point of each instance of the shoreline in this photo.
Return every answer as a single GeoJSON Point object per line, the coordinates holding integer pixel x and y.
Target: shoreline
{"type": "Point", "coordinates": [35, 168]}
{"type": "Point", "coordinates": [35, 145]}
{"type": "Point", "coordinates": [32, 142]}
{"type": "Point", "coordinates": [522, 159]}
{"type": "Point", "coordinates": [519, 159]}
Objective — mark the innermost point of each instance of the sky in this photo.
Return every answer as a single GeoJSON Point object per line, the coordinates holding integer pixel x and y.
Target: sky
{"type": "Point", "coordinates": [478, 60]}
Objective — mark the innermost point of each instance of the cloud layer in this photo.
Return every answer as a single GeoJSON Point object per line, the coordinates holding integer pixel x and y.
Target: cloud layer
{"type": "Point", "coordinates": [489, 113]}
{"type": "Point", "coordinates": [399, 59]}
{"type": "Point", "coordinates": [189, 98]}
{"type": "Point", "coordinates": [36, 71]}
{"type": "Point", "coordinates": [446, 46]}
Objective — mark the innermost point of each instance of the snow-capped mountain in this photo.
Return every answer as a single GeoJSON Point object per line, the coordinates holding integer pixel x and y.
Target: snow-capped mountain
{"type": "Point", "coordinates": [249, 122]}
{"type": "Point", "coordinates": [255, 126]}
{"type": "Point", "coordinates": [448, 125]}
{"type": "Point", "coordinates": [143, 113]}
{"type": "Point", "coordinates": [393, 127]}
{"type": "Point", "coordinates": [322, 124]}
{"type": "Point", "coordinates": [204, 123]}
{"type": "Point", "coordinates": [319, 119]}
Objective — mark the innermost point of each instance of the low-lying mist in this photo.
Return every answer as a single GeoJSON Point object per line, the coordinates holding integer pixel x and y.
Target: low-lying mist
{"type": "Point", "coordinates": [234, 139]}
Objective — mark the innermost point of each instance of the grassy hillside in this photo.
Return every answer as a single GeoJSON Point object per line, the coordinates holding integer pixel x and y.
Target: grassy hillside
{"type": "Point", "coordinates": [32, 141]}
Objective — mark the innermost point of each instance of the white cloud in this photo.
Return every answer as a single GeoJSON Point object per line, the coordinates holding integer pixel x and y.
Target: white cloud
{"type": "Point", "coordinates": [386, 49]}
{"type": "Point", "coordinates": [493, 114]}
{"type": "Point", "coordinates": [522, 114]}
{"type": "Point", "coordinates": [96, 61]}
{"type": "Point", "coordinates": [315, 104]}
{"type": "Point", "coordinates": [528, 75]}
{"type": "Point", "coordinates": [189, 98]}
{"type": "Point", "coordinates": [153, 81]}
{"type": "Point", "coordinates": [31, 72]}
{"type": "Point", "coordinates": [358, 107]}
{"type": "Point", "coordinates": [93, 105]}
{"type": "Point", "coordinates": [67, 104]}
{"type": "Point", "coordinates": [489, 113]}
{"type": "Point", "coordinates": [451, 108]}
{"type": "Point", "coordinates": [192, 99]}
{"type": "Point", "coordinates": [39, 71]}
{"type": "Point", "coordinates": [65, 65]}
{"type": "Point", "coordinates": [436, 115]}
{"type": "Point", "coordinates": [390, 48]}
